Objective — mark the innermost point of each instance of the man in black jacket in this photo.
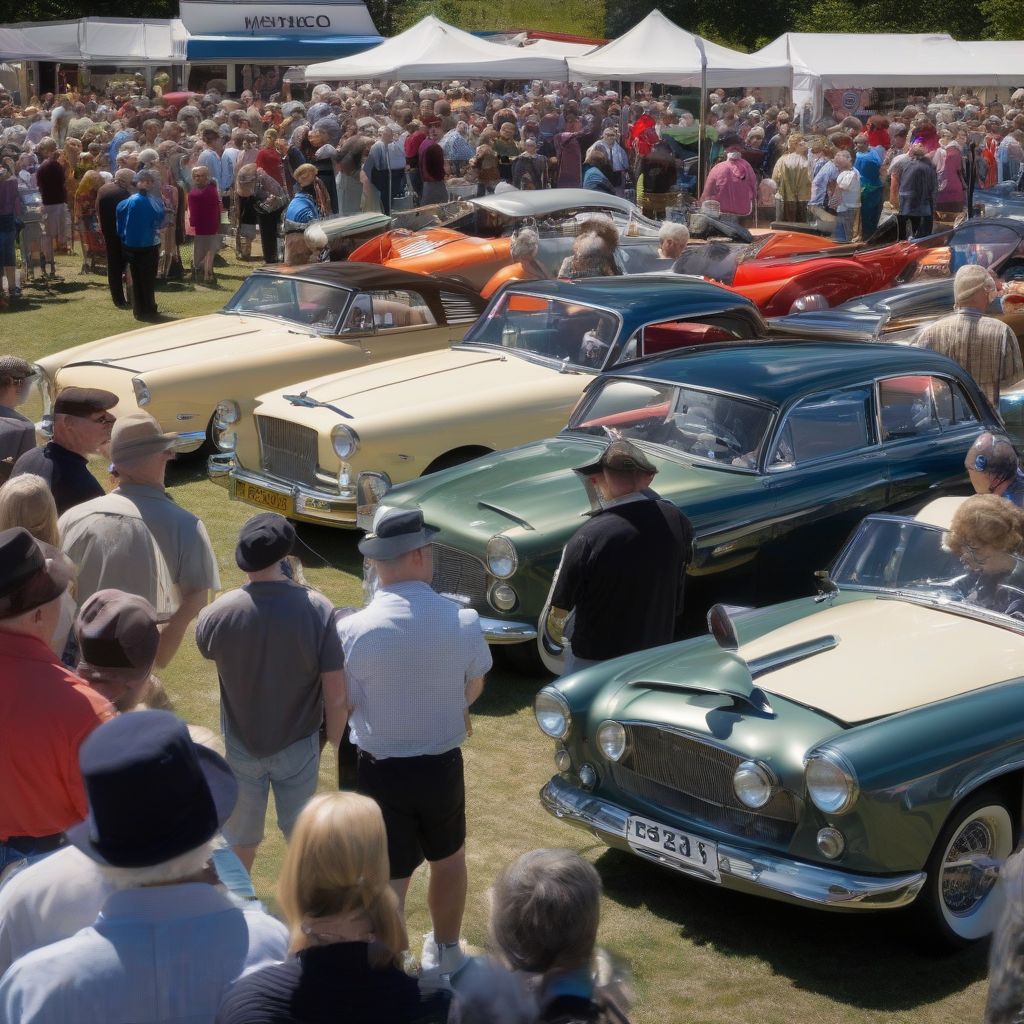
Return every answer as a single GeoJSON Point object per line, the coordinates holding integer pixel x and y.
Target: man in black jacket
{"type": "Point", "coordinates": [107, 198]}
{"type": "Point", "coordinates": [622, 572]}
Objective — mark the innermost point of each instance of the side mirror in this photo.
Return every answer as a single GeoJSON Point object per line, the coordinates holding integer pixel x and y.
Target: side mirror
{"type": "Point", "coordinates": [827, 587]}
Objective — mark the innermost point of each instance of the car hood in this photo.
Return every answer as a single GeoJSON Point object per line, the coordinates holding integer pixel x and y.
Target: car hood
{"type": "Point", "coordinates": [415, 381]}
{"type": "Point", "coordinates": [533, 486]}
{"type": "Point", "coordinates": [192, 342]}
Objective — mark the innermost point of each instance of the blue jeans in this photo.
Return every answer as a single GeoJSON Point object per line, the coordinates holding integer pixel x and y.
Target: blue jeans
{"type": "Point", "coordinates": [845, 221]}
{"type": "Point", "coordinates": [293, 773]}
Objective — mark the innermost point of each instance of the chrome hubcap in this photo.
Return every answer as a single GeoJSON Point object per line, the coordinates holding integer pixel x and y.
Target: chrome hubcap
{"type": "Point", "coordinates": [969, 871]}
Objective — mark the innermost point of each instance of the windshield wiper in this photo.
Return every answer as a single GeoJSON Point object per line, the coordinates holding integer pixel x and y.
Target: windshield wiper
{"type": "Point", "coordinates": [306, 402]}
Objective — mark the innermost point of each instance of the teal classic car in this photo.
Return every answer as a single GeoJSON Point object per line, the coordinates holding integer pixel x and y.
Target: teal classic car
{"type": "Point", "coordinates": [774, 451]}
{"type": "Point", "coordinates": [858, 750]}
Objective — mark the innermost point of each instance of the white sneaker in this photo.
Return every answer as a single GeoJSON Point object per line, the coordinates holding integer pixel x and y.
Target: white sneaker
{"type": "Point", "coordinates": [439, 963]}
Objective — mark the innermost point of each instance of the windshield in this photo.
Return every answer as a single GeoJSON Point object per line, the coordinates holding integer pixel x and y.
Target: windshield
{"type": "Point", "coordinates": [300, 302]}
{"type": "Point", "coordinates": [987, 245]}
{"type": "Point", "coordinates": [901, 555]}
{"type": "Point", "coordinates": [698, 424]}
{"type": "Point", "coordinates": [534, 325]}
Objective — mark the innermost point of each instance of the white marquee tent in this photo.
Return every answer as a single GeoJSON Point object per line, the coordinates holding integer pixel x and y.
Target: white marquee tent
{"type": "Point", "coordinates": [1001, 58]}
{"type": "Point", "coordinates": [658, 50]}
{"type": "Point", "coordinates": [130, 42]}
{"type": "Point", "coordinates": [432, 50]}
{"type": "Point", "coordinates": [826, 60]}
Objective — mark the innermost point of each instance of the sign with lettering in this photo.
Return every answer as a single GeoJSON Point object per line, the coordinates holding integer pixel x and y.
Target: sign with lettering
{"type": "Point", "coordinates": [309, 18]}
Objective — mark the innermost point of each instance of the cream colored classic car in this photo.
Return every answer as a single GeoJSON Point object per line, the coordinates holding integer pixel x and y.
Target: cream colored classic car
{"type": "Point", "coordinates": [306, 450]}
{"type": "Point", "coordinates": [283, 324]}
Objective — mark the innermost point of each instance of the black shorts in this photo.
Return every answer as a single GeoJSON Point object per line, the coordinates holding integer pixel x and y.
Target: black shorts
{"type": "Point", "coordinates": [423, 800]}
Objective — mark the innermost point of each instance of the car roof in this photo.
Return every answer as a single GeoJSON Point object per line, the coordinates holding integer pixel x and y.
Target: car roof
{"type": "Point", "coordinates": [649, 295]}
{"type": "Point", "coordinates": [776, 371]}
{"type": "Point", "coordinates": [367, 276]}
{"type": "Point", "coordinates": [537, 202]}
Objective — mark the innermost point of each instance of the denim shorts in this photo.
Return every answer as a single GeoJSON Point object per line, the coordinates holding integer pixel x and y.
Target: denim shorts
{"type": "Point", "coordinates": [292, 773]}
{"type": "Point", "coordinates": [7, 256]}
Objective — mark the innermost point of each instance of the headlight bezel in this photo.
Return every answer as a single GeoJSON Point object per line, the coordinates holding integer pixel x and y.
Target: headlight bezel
{"type": "Point", "coordinates": [608, 750]}
{"type": "Point", "coordinates": [841, 769]}
{"type": "Point", "coordinates": [558, 704]}
{"type": "Point", "coordinates": [351, 441]}
{"type": "Point", "coordinates": [226, 414]}
{"type": "Point", "coordinates": [143, 396]}
{"type": "Point", "coordinates": [759, 772]}
{"type": "Point", "coordinates": [501, 549]}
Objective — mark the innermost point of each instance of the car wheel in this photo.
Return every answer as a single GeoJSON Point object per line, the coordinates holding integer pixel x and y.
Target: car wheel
{"type": "Point", "coordinates": [956, 904]}
{"type": "Point", "coordinates": [206, 449]}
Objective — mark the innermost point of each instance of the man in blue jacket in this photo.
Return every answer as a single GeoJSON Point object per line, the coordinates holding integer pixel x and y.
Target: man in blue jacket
{"type": "Point", "coordinates": [139, 219]}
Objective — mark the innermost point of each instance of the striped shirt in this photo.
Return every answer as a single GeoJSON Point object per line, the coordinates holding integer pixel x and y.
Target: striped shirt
{"type": "Point", "coordinates": [408, 656]}
{"type": "Point", "coordinates": [985, 347]}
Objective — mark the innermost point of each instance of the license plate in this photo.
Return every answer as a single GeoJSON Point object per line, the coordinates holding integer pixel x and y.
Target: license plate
{"type": "Point", "coordinates": [677, 848]}
{"type": "Point", "coordinates": [263, 496]}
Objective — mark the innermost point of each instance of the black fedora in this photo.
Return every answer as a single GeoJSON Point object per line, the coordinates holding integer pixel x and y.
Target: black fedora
{"type": "Point", "coordinates": [31, 573]}
{"type": "Point", "coordinates": [153, 793]}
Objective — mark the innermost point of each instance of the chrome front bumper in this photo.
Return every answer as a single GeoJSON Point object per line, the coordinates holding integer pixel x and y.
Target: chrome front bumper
{"type": "Point", "coordinates": [300, 503]}
{"type": "Point", "coordinates": [756, 872]}
{"type": "Point", "coordinates": [498, 631]}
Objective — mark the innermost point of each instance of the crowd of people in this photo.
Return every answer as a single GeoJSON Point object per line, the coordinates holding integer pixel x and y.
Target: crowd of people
{"type": "Point", "coordinates": [215, 169]}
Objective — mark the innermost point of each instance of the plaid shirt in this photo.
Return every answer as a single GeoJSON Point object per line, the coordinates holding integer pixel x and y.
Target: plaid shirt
{"type": "Point", "coordinates": [985, 347]}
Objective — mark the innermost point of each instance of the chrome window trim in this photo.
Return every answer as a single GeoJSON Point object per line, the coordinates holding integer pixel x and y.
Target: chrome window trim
{"type": "Point", "coordinates": [939, 375]}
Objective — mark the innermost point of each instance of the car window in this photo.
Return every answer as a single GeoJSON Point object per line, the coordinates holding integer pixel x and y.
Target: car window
{"type": "Point", "coordinates": [675, 334]}
{"type": "Point", "coordinates": [907, 408]}
{"type": "Point", "coordinates": [303, 302]}
{"type": "Point", "coordinates": [568, 332]}
{"type": "Point", "coordinates": [824, 425]}
{"type": "Point", "coordinates": [400, 308]}
{"type": "Point", "coordinates": [360, 316]}
{"type": "Point", "coordinates": [984, 244]}
{"type": "Point", "coordinates": [951, 405]}
{"type": "Point", "coordinates": [701, 424]}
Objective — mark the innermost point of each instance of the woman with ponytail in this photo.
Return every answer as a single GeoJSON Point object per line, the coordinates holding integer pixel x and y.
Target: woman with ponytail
{"type": "Point", "coordinates": [346, 933]}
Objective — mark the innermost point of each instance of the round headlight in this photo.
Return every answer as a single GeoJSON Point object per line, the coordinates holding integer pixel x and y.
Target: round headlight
{"type": "Point", "coordinates": [552, 712]}
{"type": "Point", "coordinates": [502, 597]}
{"type": "Point", "coordinates": [611, 738]}
{"type": "Point", "coordinates": [226, 440]}
{"type": "Point", "coordinates": [226, 413]}
{"type": "Point", "coordinates": [502, 560]}
{"type": "Point", "coordinates": [753, 784]}
{"type": "Point", "coordinates": [831, 842]}
{"type": "Point", "coordinates": [831, 782]}
{"type": "Point", "coordinates": [806, 303]}
{"type": "Point", "coordinates": [345, 441]}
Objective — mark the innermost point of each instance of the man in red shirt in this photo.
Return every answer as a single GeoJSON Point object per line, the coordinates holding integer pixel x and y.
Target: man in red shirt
{"type": "Point", "coordinates": [46, 711]}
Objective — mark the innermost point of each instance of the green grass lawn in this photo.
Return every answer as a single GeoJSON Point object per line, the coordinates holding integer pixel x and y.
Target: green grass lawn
{"type": "Point", "coordinates": [698, 953]}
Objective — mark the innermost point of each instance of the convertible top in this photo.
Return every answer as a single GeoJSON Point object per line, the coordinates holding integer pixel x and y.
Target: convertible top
{"type": "Point", "coordinates": [542, 202]}
{"type": "Point", "coordinates": [776, 372]}
{"type": "Point", "coordinates": [366, 276]}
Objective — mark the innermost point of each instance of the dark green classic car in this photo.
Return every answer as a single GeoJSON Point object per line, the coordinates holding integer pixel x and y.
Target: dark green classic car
{"type": "Point", "coordinates": [861, 750]}
{"type": "Point", "coordinates": [775, 452]}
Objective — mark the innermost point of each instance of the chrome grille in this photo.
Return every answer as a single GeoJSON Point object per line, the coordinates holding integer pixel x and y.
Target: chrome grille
{"type": "Point", "coordinates": [694, 778]}
{"type": "Point", "coordinates": [287, 450]}
{"type": "Point", "coordinates": [455, 572]}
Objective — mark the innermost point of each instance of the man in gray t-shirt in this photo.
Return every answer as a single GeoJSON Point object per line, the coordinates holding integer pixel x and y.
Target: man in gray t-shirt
{"type": "Point", "coordinates": [279, 661]}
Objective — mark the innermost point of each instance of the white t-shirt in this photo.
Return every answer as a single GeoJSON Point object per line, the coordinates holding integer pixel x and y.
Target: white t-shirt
{"type": "Point", "coordinates": [848, 184]}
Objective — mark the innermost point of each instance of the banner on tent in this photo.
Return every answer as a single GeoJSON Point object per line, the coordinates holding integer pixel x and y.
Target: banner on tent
{"type": "Point", "coordinates": [303, 19]}
{"type": "Point", "coordinates": [847, 101]}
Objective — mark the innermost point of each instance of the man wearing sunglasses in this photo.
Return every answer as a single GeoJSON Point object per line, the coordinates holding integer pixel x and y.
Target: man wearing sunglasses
{"type": "Point", "coordinates": [17, 432]}
{"type": "Point", "coordinates": [81, 427]}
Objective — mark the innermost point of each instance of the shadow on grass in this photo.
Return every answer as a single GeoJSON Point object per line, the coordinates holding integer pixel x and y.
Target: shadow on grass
{"type": "Point", "coordinates": [323, 547]}
{"type": "Point", "coordinates": [813, 948]}
{"type": "Point", "coordinates": [187, 469]}
{"type": "Point", "coordinates": [506, 693]}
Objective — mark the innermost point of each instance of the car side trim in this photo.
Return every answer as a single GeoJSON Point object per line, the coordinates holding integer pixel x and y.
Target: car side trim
{"type": "Point", "coordinates": [745, 869]}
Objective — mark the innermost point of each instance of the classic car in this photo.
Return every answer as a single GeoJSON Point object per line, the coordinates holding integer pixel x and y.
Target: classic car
{"type": "Point", "coordinates": [1002, 200]}
{"type": "Point", "coordinates": [516, 375]}
{"type": "Point", "coordinates": [282, 324]}
{"type": "Point", "coordinates": [775, 452]}
{"type": "Point", "coordinates": [859, 750]}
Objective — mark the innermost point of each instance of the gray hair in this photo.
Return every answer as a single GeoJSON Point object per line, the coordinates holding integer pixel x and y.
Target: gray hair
{"type": "Point", "coordinates": [525, 244]}
{"type": "Point", "coordinates": [185, 865]}
{"type": "Point", "coordinates": [673, 231]}
{"type": "Point", "coordinates": [545, 910]}
{"type": "Point", "coordinates": [589, 245]}
{"type": "Point", "coordinates": [147, 175]}
{"type": "Point", "coordinates": [124, 176]}
{"type": "Point", "coordinates": [1006, 958]}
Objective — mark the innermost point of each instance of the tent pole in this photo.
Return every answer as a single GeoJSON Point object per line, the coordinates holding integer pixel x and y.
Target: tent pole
{"type": "Point", "coordinates": [702, 114]}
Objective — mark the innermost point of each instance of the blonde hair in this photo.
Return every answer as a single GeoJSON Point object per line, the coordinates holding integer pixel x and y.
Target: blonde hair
{"type": "Point", "coordinates": [986, 519]}
{"type": "Point", "coordinates": [26, 501]}
{"type": "Point", "coordinates": [337, 864]}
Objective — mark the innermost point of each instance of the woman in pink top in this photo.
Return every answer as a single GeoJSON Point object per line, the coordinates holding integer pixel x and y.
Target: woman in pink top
{"type": "Point", "coordinates": [268, 159]}
{"type": "Point", "coordinates": [733, 183]}
{"type": "Point", "coordinates": [204, 211]}
{"type": "Point", "coordinates": [949, 166]}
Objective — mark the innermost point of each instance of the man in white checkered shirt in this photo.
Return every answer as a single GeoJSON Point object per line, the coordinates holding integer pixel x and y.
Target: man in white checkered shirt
{"type": "Point", "coordinates": [414, 662]}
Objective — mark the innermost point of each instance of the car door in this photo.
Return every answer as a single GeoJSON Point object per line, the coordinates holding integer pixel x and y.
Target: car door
{"type": "Point", "coordinates": [926, 424]}
{"type": "Point", "coordinates": [826, 471]}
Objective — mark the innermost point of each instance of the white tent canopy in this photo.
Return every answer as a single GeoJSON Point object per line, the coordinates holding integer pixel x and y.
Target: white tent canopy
{"type": "Point", "coordinates": [129, 42]}
{"type": "Point", "coordinates": [1002, 58]}
{"type": "Point", "coordinates": [552, 47]}
{"type": "Point", "coordinates": [864, 60]}
{"type": "Point", "coordinates": [658, 50]}
{"type": "Point", "coordinates": [431, 51]}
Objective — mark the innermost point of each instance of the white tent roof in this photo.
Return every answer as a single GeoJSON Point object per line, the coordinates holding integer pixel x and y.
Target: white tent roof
{"type": "Point", "coordinates": [999, 57]}
{"type": "Point", "coordinates": [658, 50]}
{"type": "Point", "coordinates": [552, 47]}
{"type": "Point", "coordinates": [129, 42]}
{"type": "Point", "coordinates": [432, 50]}
{"type": "Point", "coordinates": [865, 60]}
